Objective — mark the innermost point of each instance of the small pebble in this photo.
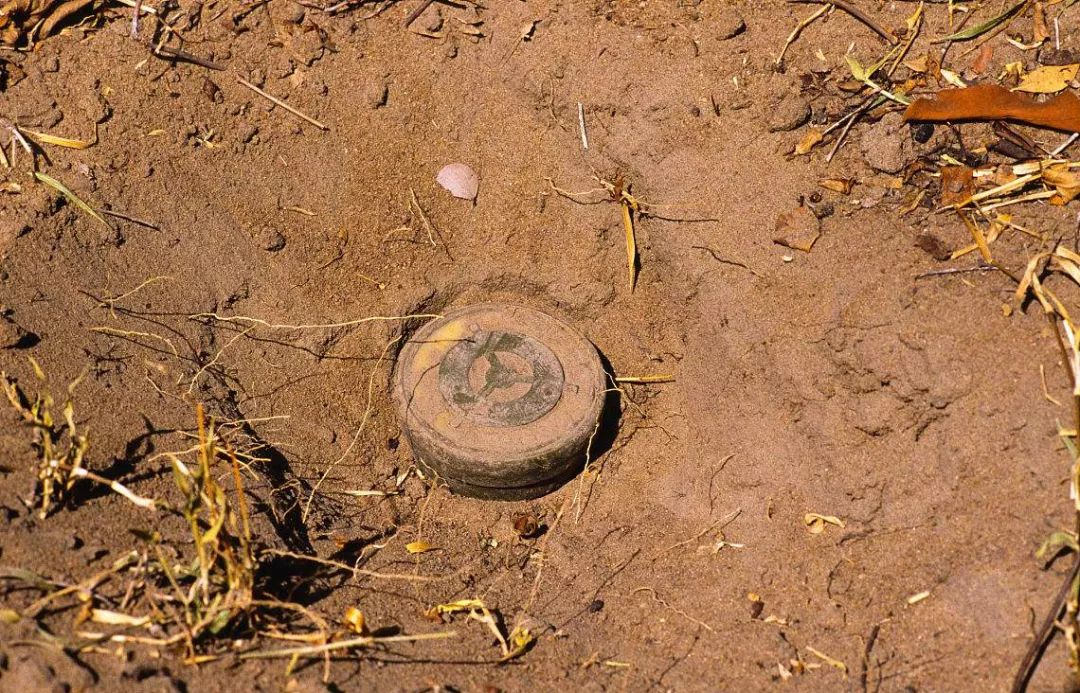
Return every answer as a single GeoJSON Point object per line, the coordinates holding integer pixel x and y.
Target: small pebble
{"type": "Point", "coordinates": [376, 93]}
{"type": "Point", "coordinates": [271, 240]}
{"type": "Point", "coordinates": [212, 91]}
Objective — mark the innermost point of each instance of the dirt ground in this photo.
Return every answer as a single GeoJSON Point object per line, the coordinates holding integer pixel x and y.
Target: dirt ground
{"type": "Point", "coordinates": [830, 382]}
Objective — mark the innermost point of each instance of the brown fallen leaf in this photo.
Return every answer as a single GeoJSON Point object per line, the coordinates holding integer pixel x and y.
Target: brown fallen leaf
{"type": "Point", "coordinates": [838, 185]}
{"type": "Point", "coordinates": [957, 184]}
{"type": "Point", "coordinates": [17, 17]}
{"type": "Point", "coordinates": [797, 229]}
{"type": "Point", "coordinates": [1066, 182]}
{"type": "Point", "coordinates": [991, 102]}
{"type": "Point", "coordinates": [982, 59]}
{"type": "Point", "coordinates": [811, 138]}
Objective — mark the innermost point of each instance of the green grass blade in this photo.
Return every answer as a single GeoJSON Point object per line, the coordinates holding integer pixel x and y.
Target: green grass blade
{"type": "Point", "coordinates": [979, 30]}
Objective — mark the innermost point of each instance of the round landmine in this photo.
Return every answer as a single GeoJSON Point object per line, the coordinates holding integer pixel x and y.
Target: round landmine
{"type": "Point", "coordinates": [499, 401]}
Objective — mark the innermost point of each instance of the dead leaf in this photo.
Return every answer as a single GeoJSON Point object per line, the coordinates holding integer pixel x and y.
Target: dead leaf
{"type": "Point", "coordinates": [18, 17]}
{"type": "Point", "coordinates": [815, 523]}
{"type": "Point", "coordinates": [1048, 79]}
{"type": "Point", "coordinates": [838, 185]}
{"type": "Point", "coordinates": [354, 619]}
{"type": "Point", "coordinates": [982, 59]}
{"type": "Point", "coordinates": [831, 661]}
{"type": "Point", "coordinates": [1066, 182]}
{"type": "Point", "coordinates": [917, 65]}
{"type": "Point", "coordinates": [419, 546]}
{"type": "Point", "coordinates": [952, 78]}
{"type": "Point", "coordinates": [798, 229]}
{"type": "Point", "coordinates": [808, 141]}
{"type": "Point", "coordinates": [957, 184]}
{"type": "Point", "coordinates": [991, 102]}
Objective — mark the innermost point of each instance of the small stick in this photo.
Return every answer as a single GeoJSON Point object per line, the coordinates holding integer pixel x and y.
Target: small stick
{"type": "Point", "coordinates": [117, 487]}
{"type": "Point", "coordinates": [955, 270]}
{"type": "Point", "coordinates": [581, 126]}
{"type": "Point", "coordinates": [281, 103]}
{"type": "Point", "coordinates": [133, 220]}
{"type": "Point", "coordinates": [1065, 144]}
{"type": "Point", "coordinates": [135, 19]}
{"type": "Point", "coordinates": [798, 30]}
{"type": "Point", "coordinates": [1046, 632]}
{"type": "Point", "coordinates": [420, 9]}
{"type": "Point", "coordinates": [177, 54]}
{"type": "Point", "coordinates": [843, 134]}
{"type": "Point", "coordinates": [859, 15]}
{"type": "Point", "coordinates": [723, 260]}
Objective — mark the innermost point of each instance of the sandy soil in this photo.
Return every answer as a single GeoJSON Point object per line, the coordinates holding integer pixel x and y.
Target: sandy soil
{"type": "Point", "coordinates": [830, 382]}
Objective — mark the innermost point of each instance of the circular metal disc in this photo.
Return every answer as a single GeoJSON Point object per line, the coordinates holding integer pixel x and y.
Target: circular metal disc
{"type": "Point", "coordinates": [499, 401]}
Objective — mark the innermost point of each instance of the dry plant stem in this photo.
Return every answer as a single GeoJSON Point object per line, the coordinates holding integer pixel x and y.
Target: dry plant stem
{"type": "Point", "coordinates": [327, 326]}
{"type": "Point", "coordinates": [535, 590]}
{"type": "Point", "coordinates": [355, 571]}
{"type": "Point", "coordinates": [346, 645]}
{"type": "Point", "coordinates": [428, 226]}
{"type": "Point", "coordinates": [133, 220]}
{"type": "Point", "coordinates": [359, 429]}
{"type": "Point", "coordinates": [281, 103]}
{"type": "Point", "coordinates": [718, 525]}
{"type": "Point", "coordinates": [182, 55]}
{"type": "Point", "coordinates": [1046, 631]}
{"type": "Point", "coordinates": [799, 28]}
{"type": "Point", "coordinates": [858, 14]}
{"type": "Point", "coordinates": [420, 9]}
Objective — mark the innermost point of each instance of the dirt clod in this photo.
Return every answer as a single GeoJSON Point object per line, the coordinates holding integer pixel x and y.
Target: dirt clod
{"type": "Point", "coordinates": [790, 112]}
{"type": "Point", "coordinates": [271, 240]}
{"type": "Point", "coordinates": [13, 336]}
{"type": "Point", "coordinates": [375, 93]}
{"type": "Point", "coordinates": [883, 147]}
{"type": "Point", "coordinates": [730, 23]}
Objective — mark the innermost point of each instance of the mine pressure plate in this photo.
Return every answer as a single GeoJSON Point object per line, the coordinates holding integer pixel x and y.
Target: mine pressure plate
{"type": "Point", "coordinates": [499, 401]}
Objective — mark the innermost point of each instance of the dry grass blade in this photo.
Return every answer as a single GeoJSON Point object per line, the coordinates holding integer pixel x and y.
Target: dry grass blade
{"type": "Point", "coordinates": [65, 142]}
{"type": "Point", "coordinates": [72, 197]}
{"type": "Point", "coordinates": [350, 644]}
{"type": "Point", "coordinates": [279, 102]}
{"type": "Point", "coordinates": [977, 235]}
{"type": "Point", "coordinates": [631, 242]}
{"type": "Point", "coordinates": [644, 379]}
